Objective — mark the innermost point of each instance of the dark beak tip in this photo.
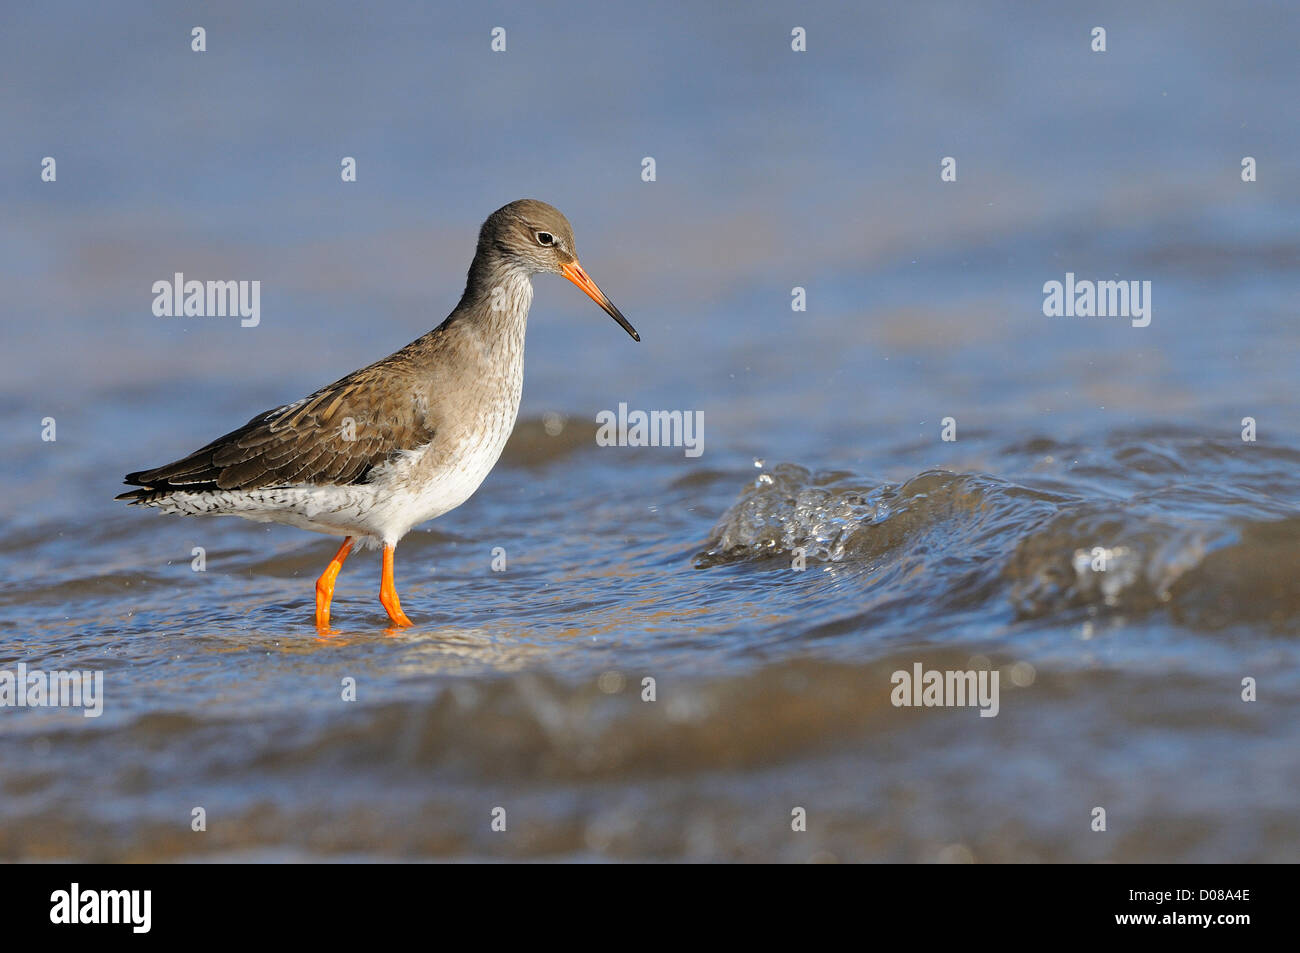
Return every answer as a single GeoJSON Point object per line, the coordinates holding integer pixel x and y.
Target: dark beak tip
{"type": "Point", "coordinates": [622, 322]}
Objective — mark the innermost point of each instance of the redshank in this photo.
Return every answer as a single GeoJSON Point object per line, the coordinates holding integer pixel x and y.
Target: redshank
{"type": "Point", "coordinates": [401, 441]}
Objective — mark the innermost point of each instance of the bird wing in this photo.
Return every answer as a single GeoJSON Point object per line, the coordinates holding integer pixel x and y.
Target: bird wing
{"type": "Point", "coordinates": [335, 436]}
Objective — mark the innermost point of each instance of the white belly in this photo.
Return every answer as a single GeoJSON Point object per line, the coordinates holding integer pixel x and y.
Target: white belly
{"type": "Point", "coordinates": [412, 498]}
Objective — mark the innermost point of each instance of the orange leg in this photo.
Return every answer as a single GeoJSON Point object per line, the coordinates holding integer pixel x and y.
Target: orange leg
{"type": "Point", "coordinates": [325, 584]}
{"type": "Point", "coordinates": [388, 591]}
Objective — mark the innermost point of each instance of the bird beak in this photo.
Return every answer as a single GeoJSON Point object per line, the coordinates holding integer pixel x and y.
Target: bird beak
{"type": "Point", "coordinates": [573, 271]}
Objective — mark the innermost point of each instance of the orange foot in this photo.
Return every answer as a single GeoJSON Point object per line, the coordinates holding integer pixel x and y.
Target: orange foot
{"type": "Point", "coordinates": [388, 591]}
{"type": "Point", "coordinates": [325, 585]}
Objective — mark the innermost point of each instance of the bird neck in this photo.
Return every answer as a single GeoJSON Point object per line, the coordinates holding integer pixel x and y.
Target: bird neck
{"type": "Point", "coordinates": [497, 294]}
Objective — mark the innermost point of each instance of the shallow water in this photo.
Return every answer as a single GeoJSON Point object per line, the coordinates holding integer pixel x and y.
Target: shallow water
{"type": "Point", "coordinates": [1078, 439]}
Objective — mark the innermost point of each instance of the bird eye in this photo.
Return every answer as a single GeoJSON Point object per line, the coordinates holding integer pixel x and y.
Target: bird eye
{"type": "Point", "coordinates": [545, 238]}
